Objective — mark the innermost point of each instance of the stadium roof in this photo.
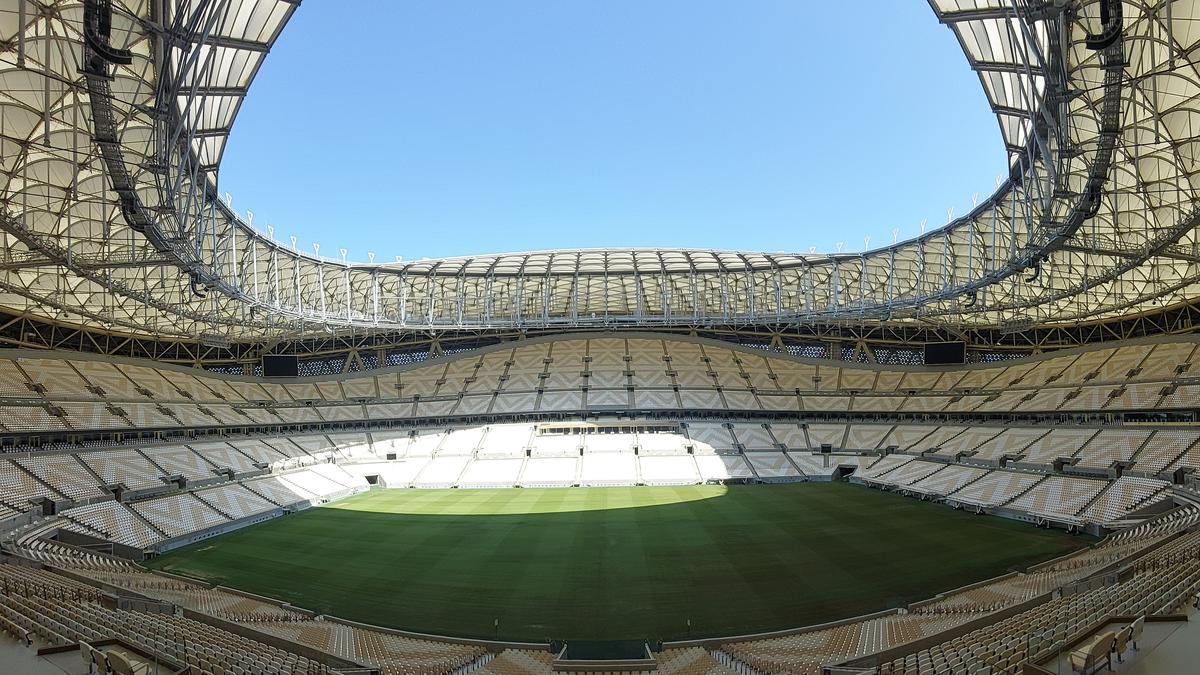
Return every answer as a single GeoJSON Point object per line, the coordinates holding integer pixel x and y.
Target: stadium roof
{"type": "Point", "coordinates": [114, 117]}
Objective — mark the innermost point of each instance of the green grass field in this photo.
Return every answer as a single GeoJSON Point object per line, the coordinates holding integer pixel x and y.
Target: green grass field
{"type": "Point", "coordinates": [616, 563]}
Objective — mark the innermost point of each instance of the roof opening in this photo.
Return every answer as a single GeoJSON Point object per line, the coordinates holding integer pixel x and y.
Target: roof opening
{"type": "Point", "coordinates": [456, 128]}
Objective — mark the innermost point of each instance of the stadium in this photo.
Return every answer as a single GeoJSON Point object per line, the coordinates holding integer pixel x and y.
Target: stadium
{"type": "Point", "coordinates": [972, 451]}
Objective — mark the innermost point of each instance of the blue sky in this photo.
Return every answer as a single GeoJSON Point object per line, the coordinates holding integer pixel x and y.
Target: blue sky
{"type": "Point", "coordinates": [444, 127]}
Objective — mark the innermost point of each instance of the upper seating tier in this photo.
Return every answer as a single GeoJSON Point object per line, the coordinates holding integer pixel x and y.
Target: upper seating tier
{"type": "Point", "coordinates": [77, 391]}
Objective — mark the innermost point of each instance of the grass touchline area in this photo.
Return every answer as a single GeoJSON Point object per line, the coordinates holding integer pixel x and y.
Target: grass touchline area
{"type": "Point", "coordinates": [616, 563]}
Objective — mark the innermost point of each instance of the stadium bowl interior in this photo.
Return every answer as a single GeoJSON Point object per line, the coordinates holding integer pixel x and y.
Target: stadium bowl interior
{"type": "Point", "coordinates": [975, 451]}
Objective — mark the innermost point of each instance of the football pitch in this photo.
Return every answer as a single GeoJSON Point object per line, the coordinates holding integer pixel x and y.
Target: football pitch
{"type": "Point", "coordinates": [616, 563]}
